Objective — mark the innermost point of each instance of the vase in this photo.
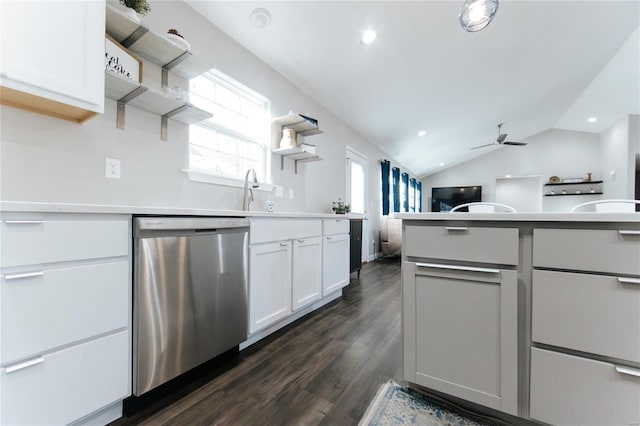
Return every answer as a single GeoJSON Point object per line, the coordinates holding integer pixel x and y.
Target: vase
{"type": "Point", "coordinates": [288, 138]}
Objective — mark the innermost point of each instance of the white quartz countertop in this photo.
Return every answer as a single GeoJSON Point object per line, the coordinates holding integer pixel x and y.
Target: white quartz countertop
{"type": "Point", "coordinates": [524, 217]}
{"type": "Point", "coordinates": [44, 207]}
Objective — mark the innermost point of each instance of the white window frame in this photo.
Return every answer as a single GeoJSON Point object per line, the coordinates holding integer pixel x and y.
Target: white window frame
{"type": "Point", "coordinates": [207, 176]}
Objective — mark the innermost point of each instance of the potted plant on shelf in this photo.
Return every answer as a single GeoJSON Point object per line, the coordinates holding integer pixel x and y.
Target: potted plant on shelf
{"type": "Point", "coordinates": [340, 207]}
{"type": "Point", "coordinates": [134, 9]}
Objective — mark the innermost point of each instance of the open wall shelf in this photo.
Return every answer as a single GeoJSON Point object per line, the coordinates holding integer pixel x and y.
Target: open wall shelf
{"type": "Point", "coordinates": [159, 50]}
{"type": "Point", "coordinates": [574, 188]}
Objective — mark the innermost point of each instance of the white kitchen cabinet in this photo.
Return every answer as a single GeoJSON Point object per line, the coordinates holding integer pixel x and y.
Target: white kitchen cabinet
{"type": "Point", "coordinates": [65, 317]}
{"type": "Point", "coordinates": [460, 332]}
{"type": "Point", "coordinates": [52, 58]}
{"type": "Point", "coordinates": [306, 271]}
{"type": "Point", "coordinates": [270, 283]}
{"type": "Point", "coordinates": [335, 255]}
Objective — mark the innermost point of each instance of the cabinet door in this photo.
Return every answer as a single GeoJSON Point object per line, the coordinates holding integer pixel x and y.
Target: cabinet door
{"type": "Point", "coordinates": [335, 263]}
{"type": "Point", "coordinates": [460, 332]}
{"type": "Point", "coordinates": [269, 284]}
{"type": "Point", "coordinates": [307, 271]}
{"type": "Point", "coordinates": [53, 51]}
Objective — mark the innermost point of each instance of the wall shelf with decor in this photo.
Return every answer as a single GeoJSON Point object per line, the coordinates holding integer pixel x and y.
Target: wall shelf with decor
{"type": "Point", "coordinates": [173, 56]}
{"type": "Point", "coordinates": [573, 188]}
{"type": "Point", "coordinates": [302, 125]}
{"type": "Point", "coordinates": [303, 152]}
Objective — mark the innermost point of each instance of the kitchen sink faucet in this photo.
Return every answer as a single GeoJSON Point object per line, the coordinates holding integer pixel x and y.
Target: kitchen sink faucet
{"type": "Point", "coordinates": [247, 197]}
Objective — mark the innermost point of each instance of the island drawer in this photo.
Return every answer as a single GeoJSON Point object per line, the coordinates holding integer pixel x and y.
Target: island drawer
{"type": "Point", "coordinates": [28, 241]}
{"type": "Point", "coordinates": [601, 250]}
{"type": "Point", "coordinates": [597, 314]}
{"type": "Point", "coordinates": [569, 390]}
{"type": "Point", "coordinates": [49, 308]}
{"type": "Point", "coordinates": [462, 243]}
{"type": "Point", "coordinates": [60, 387]}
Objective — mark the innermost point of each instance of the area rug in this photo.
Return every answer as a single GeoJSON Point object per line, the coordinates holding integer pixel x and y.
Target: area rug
{"type": "Point", "coordinates": [399, 405]}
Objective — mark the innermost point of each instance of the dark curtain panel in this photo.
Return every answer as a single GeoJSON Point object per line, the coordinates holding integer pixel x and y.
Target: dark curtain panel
{"type": "Point", "coordinates": [405, 186]}
{"type": "Point", "coordinates": [395, 174]}
{"type": "Point", "coordinates": [419, 197]}
{"type": "Point", "coordinates": [412, 185]}
{"type": "Point", "coordinates": [385, 166]}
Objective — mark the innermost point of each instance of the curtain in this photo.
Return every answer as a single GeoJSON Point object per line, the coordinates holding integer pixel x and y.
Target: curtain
{"type": "Point", "coordinates": [385, 166]}
{"type": "Point", "coordinates": [419, 197]}
{"type": "Point", "coordinates": [412, 193]}
{"type": "Point", "coordinates": [405, 195]}
{"type": "Point", "coordinates": [395, 172]}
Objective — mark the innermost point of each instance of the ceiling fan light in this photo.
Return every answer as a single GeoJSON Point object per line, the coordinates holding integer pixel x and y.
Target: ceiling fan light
{"type": "Point", "coordinates": [477, 14]}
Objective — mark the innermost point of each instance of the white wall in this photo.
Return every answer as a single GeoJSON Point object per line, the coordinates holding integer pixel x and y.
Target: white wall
{"type": "Point", "coordinates": [50, 160]}
{"type": "Point", "coordinates": [614, 145]}
{"type": "Point", "coordinates": [554, 152]}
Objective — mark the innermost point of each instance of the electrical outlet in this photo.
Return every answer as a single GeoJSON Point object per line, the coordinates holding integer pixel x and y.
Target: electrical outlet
{"type": "Point", "coordinates": [112, 168]}
{"type": "Point", "coordinates": [291, 193]}
{"type": "Point", "coordinates": [279, 191]}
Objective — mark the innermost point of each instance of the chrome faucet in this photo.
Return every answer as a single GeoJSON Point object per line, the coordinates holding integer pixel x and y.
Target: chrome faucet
{"type": "Point", "coordinates": [247, 197]}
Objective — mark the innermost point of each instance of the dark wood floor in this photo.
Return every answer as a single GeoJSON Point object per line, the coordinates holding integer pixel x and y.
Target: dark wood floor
{"type": "Point", "coordinates": [322, 370]}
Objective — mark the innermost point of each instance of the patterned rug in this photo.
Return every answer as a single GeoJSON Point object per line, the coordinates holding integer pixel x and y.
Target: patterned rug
{"type": "Point", "coordinates": [399, 405]}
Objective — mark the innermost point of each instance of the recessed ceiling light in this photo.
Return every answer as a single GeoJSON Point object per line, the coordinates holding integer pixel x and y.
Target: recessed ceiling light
{"type": "Point", "coordinates": [507, 176]}
{"type": "Point", "coordinates": [368, 37]}
{"type": "Point", "coordinates": [592, 119]}
{"type": "Point", "coordinates": [421, 133]}
{"type": "Point", "coordinates": [441, 164]}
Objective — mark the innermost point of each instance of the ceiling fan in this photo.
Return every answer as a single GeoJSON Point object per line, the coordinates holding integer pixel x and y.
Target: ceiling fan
{"type": "Point", "coordinates": [501, 140]}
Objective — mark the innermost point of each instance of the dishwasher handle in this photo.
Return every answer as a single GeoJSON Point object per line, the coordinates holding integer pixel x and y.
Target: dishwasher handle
{"type": "Point", "coordinates": [201, 224]}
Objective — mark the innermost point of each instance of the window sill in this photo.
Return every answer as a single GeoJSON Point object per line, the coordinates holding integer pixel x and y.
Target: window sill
{"type": "Point", "coordinates": [205, 177]}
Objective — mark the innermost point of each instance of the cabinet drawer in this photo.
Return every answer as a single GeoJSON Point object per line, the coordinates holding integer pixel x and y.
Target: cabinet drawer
{"type": "Point", "coordinates": [276, 229]}
{"type": "Point", "coordinates": [335, 226]}
{"type": "Point", "coordinates": [26, 242]}
{"type": "Point", "coordinates": [590, 313]}
{"type": "Point", "coordinates": [61, 306]}
{"type": "Point", "coordinates": [569, 390]}
{"type": "Point", "coordinates": [616, 251]}
{"type": "Point", "coordinates": [67, 385]}
{"type": "Point", "coordinates": [487, 245]}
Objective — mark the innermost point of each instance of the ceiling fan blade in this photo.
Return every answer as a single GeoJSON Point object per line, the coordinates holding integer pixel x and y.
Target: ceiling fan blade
{"type": "Point", "coordinates": [501, 137]}
{"type": "Point", "coordinates": [483, 146]}
{"type": "Point", "coordinates": [514, 143]}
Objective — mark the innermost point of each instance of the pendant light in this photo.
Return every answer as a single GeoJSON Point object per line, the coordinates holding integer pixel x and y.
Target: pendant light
{"type": "Point", "coordinates": [477, 14]}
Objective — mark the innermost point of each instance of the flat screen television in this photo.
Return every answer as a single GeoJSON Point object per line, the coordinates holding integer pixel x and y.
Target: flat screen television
{"type": "Point", "coordinates": [446, 198]}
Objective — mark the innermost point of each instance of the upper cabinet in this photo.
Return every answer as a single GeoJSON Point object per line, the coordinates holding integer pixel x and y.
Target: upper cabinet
{"type": "Point", "coordinates": [53, 57]}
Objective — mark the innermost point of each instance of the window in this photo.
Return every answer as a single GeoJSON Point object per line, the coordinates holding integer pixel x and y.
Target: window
{"type": "Point", "coordinates": [236, 138]}
{"type": "Point", "coordinates": [412, 195]}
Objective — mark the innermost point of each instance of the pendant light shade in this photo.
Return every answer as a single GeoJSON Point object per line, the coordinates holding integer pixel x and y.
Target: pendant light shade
{"type": "Point", "coordinates": [477, 14]}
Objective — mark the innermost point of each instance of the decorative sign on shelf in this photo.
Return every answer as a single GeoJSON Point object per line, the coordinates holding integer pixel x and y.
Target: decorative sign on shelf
{"type": "Point", "coordinates": [118, 60]}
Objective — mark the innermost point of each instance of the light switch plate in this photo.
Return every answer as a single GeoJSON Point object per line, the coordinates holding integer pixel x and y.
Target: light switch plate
{"type": "Point", "coordinates": [111, 168]}
{"type": "Point", "coordinates": [291, 193]}
{"type": "Point", "coordinates": [279, 191]}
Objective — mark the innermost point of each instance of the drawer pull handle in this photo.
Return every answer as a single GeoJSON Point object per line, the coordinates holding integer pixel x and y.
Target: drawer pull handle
{"type": "Point", "coordinates": [329, 238]}
{"type": "Point", "coordinates": [23, 365]}
{"type": "Point", "coordinates": [301, 241]}
{"type": "Point", "coordinates": [23, 222]}
{"type": "Point", "coordinates": [629, 280]}
{"type": "Point", "coordinates": [456, 228]}
{"type": "Point", "coordinates": [628, 370]}
{"type": "Point", "coordinates": [25, 275]}
{"type": "Point", "coordinates": [629, 232]}
{"type": "Point", "coordinates": [459, 268]}
{"type": "Point", "coordinates": [284, 244]}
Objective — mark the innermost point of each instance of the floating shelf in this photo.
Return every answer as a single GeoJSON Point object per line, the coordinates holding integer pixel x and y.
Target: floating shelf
{"type": "Point", "coordinates": [573, 188]}
{"type": "Point", "coordinates": [573, 193]}
{"type": "Point", "coordinates": [298, 153]}
{"type": "Point", "coordinates": [592, 182]}
{"type": "Point", "coordinates": [162, 51]}
{"type": "Point", "coordinates": [299, 124]}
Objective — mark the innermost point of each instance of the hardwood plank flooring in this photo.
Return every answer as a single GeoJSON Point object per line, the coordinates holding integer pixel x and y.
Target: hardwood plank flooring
{"type": "Point", "coordinates": [321, 370]}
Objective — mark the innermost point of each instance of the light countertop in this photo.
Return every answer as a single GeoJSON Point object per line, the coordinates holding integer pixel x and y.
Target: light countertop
{"type": "Point", "coordinates": [44, 207]}
{"type": "Point", "coordinates": [523, 217]}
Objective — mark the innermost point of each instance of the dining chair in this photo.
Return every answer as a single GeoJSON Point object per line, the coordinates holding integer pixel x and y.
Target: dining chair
{"type": "Point", "coordinates": [484, 207]}
{"type": "Point", "coordinates": [610, 206]}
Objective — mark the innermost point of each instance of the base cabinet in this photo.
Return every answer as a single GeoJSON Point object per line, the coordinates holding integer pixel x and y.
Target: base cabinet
{"type": "Point", "coordinates": [460, 332]}
{"type": "Point", "coordinates": [270, 288]}
{"type": "Point", "coordinates": [335, 263]}
{"type": "Point", "coordinates": [307, 272]}
{"type": "Point", "coordinates": [571, 390]}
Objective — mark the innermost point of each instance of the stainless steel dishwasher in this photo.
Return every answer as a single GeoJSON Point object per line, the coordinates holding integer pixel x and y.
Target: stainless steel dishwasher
{"type": "Point", "coordinates": [190, 294]}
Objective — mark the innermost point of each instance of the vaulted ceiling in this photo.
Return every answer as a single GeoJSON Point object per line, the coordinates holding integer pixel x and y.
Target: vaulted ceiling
{"type": "Point", "coordinates": [538, 65]}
